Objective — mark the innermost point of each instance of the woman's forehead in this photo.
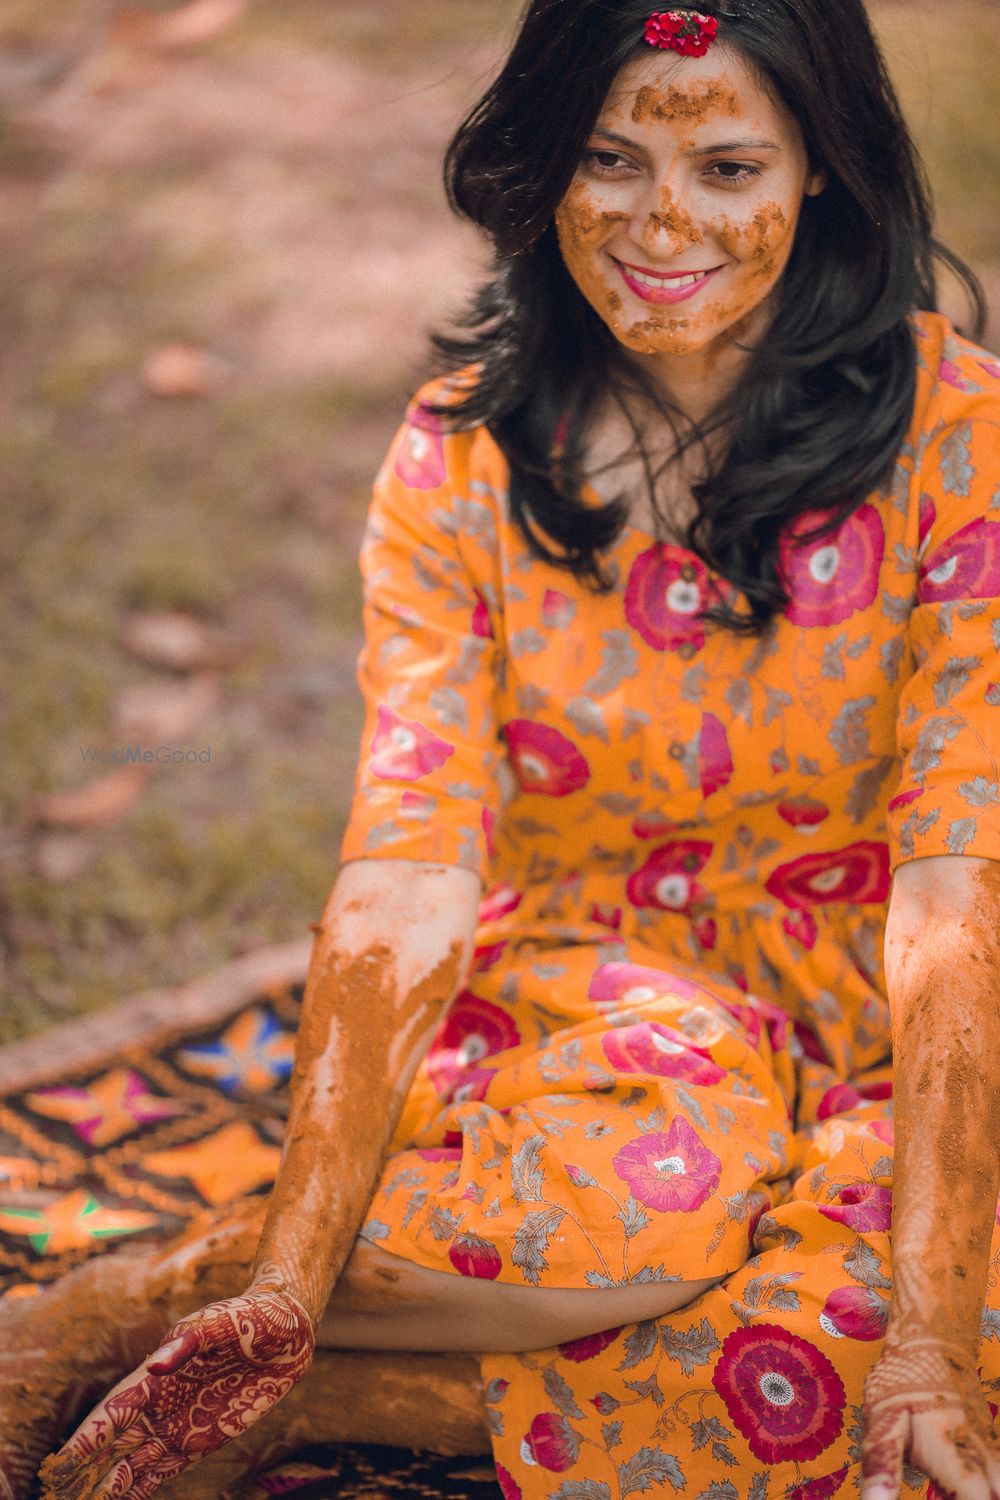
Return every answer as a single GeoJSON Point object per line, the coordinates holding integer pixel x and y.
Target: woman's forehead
{"type": "Point", "coordinates": [685, 91]}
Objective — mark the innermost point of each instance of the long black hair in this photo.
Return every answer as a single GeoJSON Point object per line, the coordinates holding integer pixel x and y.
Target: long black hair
{"type": "Point", "coordinates": [823, 408]}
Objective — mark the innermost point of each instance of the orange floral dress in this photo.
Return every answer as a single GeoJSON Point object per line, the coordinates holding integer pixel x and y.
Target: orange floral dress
{"type": "Point", "coordinates": [672, 1056]}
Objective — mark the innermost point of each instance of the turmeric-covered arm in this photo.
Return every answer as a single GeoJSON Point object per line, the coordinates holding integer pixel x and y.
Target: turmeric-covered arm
{"type": "Point", "coordinates": [923, 1401]}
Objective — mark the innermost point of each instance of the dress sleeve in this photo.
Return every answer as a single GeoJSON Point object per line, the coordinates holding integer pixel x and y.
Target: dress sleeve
{"type": "Point", "coordinates": [426, 786]}
{"type": "Point", "coordinates": [948, 800]}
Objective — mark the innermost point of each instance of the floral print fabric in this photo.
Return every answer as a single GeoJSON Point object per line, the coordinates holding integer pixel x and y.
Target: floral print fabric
{"type": "Point", "coordinates": [671, 1058]}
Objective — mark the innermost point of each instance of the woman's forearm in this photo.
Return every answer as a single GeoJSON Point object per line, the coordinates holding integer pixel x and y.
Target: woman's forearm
{"type": "Point", "coordinates": [943, 969]}
{"type": "Point", "coordinates": [390, 953]}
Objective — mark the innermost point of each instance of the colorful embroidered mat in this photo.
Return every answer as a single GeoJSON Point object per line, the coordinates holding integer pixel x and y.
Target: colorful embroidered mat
{"type": "Point", "coordinates": [125, 1126]}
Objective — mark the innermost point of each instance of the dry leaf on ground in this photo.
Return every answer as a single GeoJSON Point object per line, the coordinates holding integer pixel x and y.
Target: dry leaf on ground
{"type": "Point", "coordinates": [171, 638]}
{"type": "Point", "coordinates": [166, 709]}
{"type": "Point", "coordinates": [61, 857]}
{"type": "Point", "coordinates": [183, 370]}
{"type": "Point", "coordinates": [100, 801]}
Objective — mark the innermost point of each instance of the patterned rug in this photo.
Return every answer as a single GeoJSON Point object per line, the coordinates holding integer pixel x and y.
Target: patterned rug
{"type": "Point", "coordinates": [126, 1124]}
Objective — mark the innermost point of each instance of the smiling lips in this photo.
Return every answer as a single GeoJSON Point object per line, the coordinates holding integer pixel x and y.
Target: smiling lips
{"type": "Point", "coordinates": [677, 286]}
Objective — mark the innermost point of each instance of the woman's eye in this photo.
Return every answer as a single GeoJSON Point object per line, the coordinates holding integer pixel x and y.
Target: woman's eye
{"type": "Point", "coordinates": [734, 171]}
{"type": "Point", "coordinates": [607, 163]}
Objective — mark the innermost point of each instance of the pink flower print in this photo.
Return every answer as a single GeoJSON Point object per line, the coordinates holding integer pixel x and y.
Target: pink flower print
{"type": "Point", "coordinates": [558, 609]}
{"type": "Point", "coordinates": [486, 957]}
{"type": "Point", "coordinates": [589, 1347]}
{"type": "Point", "coordinates": [661, 1052]}
{"type": "Point", "coordinates": [992, 368]}
{"type": "Point", "coordinates": [420, 456]}
{"type": "Point", "coordinates": [904, 799]}
{"type": "Point", "coordinates": [489, 823]}
{"type": "Point", "coordinates": [809, 1043]}
{"type": "Point", "coordinates": [545, 761]}
{"type": "Point", "coordinates": [670, 1171]}
{"type": "Point", "coordinates": [831, 578]}
{"type": "Point", "coordinates": [606, 915]}
{"type": "Point", "coordinates": [859, 873]}
{"type": "Point", "coordinates": [819, 1489]}
{"type": "Point", "coordinates": [781, 1392]}
{"type": "Point", "coordinates": [667, 590]}
{"type": "Point", "coordinates": [966, 566]}
{"type": "Point", "coordinates": [472, 1086]}
{"type": "Point", "coordinates": [952, 375]}
{"type": "Point", "coordinates": [417, 805]}
{"type": "Point", "coordinates": [509, 1487]}
{"type": "Point", "coordinates": [883, 1130]}
{"type": "Point", "coordinates": [472, 1030]}
{"type": "Point", "coordinates": [653, 825]}
{"type": "Point", "coordinates": [666, 881]}
{"type": "Point", "coordinates": [802, 925]}
{"type": "Point", "coordinates": [928, 515]}
{"type": "Point", "coordinates": [863, 1206]}
{"type": "Point", "coordinates": [759, 1203]}
{"type": "Point", "coordinates": [482, 625]}
{"type": "Point", "coordinates": [440, 1153]}
{"type": "Point", "coordinates": [551, 1442]}
{"type": "Point", "coordinates": [619, 984]}
{"type": "Point", "coordinates": [715, 759]}
{"type": "Point", "coordinates": [472, 1256]}
{"type": "Point", "coordinates": [499, 902]}
{"type": "Point", "coordinates": [844, 1096]}
{"type": "Point", "coordinates": [404, 749]}
{"type": "Point", "coordinates": [855, 1312]}
{"type": "Point", "coordinates": [804, 814]}
{"type": "Point", "coordinates": [706, 933]}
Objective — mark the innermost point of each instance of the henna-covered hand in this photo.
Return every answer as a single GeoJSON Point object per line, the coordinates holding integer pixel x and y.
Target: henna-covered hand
{"type": "Point", "coordinates": [924, 1406]}
{"type": "Point", "coordinates": [215, 1374]}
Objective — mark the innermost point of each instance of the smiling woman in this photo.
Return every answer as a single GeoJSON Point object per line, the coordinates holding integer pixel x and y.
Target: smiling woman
{"type": "Point", "coordinates": [718, 747]}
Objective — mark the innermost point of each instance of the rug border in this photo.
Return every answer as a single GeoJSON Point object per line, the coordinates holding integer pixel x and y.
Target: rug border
{"type": "Point", "coordinates": [90, 1040]}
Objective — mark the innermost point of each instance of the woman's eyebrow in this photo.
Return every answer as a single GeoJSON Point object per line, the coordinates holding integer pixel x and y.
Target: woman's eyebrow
{"type": "Point", "coordinates": [712, 150]}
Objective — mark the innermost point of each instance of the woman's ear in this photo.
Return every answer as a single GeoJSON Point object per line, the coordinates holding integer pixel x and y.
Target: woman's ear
{"type": "Point", "coordinates": [816, 183]}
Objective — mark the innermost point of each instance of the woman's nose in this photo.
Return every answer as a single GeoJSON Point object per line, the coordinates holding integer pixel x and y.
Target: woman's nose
{"type": "Point", "coordinates": [666, 227]}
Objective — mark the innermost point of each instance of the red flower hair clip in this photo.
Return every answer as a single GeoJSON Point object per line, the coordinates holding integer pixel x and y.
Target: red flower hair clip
{"type": "Point", "coordinates": [685, 31]}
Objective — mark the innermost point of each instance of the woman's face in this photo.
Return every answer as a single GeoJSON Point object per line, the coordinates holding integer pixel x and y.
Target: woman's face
{"type": "Point", "coordinates": [682, 214]}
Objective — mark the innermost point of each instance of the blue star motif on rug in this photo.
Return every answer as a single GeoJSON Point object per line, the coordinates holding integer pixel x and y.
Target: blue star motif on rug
{"type": "Point", "coordinates": [252, 1055]}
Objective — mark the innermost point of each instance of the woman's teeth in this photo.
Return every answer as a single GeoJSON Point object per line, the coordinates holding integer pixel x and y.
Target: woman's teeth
{"type": "Point", "coordinates": [669, 283]}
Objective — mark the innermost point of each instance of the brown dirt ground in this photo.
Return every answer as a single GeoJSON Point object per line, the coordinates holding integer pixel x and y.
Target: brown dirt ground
{"type": "Point", "coordinates": [271, 196]}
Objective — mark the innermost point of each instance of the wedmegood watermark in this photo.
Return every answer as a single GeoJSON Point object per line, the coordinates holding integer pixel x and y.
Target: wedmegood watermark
{"type": "Point", "coordinates": [138, 755]}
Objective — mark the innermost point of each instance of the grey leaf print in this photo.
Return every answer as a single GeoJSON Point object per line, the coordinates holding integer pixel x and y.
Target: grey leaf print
{"type": "Point", "coordinates": [451, 708]}
{"type": "Point", "coordinates": [961, 834]}
{"type": "Point", "coordinates": [896, 608]}
{"type": "Point", "coordinates": [957, 470]}
{"type": "Point", "coordinates": [979, 792]}
{"type": "Point", "coordinates": [527, 642]}
{"type": "Point", "coordinates": [891, 655]}
{"type": "Point", "coordinates": [864, 793]}
{"type": "Point", "coordinates": [933, 737]}
{"type": "Point", "coordinates": [849, 734]}
{"type": "Point", "coordinates": [953, 678]}
{"type": "Point", "coordinates": [525, 1170]}
{"type": "Point", "coordinates": [532, 1240]}
{"type": "Point", "coordinates": [833, 658]}
{"type": "Point", "coordinates": [588, 717]}
{"type": "Point", "coordinates": [739, 696]}
{"type": "Point", "coordinates": [619, 660]}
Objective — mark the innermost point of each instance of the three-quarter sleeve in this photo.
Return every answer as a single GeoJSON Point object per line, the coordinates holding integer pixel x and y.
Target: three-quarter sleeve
{"type": "Point", "coordinates": [426, 786]}
{"type": "Point", "coordinates": [948, 801]}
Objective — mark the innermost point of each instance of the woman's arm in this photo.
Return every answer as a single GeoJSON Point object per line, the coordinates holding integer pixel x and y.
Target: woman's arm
{"type": "Point", "coordinates": [393, 946]}
{"type": "Point", "coordinates": [923, 1398]}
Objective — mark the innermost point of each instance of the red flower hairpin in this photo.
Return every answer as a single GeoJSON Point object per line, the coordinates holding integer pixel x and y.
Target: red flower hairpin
{"type": "Point", "coordinates": [685, 31]}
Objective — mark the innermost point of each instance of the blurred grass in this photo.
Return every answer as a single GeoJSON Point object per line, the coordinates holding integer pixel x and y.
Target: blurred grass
{"type": "Point", "coordinates": [245, 507]}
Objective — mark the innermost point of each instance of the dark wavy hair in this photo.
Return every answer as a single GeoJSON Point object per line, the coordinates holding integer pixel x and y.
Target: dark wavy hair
{"type": "Point", "coordinates": [823, 407]}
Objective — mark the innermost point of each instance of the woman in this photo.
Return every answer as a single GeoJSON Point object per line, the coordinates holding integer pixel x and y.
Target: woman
{"type": "Point", "coordinates": [681, 609]}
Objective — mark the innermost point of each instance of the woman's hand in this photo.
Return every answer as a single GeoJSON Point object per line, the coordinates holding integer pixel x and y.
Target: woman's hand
{"type": "Point", "coordinates": [924, 1405]}
{"type": "Point", "coordinates": [215, 1374]}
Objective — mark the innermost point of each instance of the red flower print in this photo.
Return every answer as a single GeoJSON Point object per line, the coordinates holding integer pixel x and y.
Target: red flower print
{"type": "Point", "coordinates": [472, 1086]}
{"type": "Point", "coordinates": [666, 880]}
{"type": "Point", "coordinates": [667, 590]}
{"type": "Point", "coordinates": [551, 1442]}
{"type": "Point", "coordinates": [864, 1206]}
{"type": "Point", "coordinates": [545, 761]}
{"type": "Point", "coordinates": [715, 759]}
{"type": "Point", "coordinates": [653, 826]}
{"type": "Point", "coordinates": [657, 1050]}
{"type": "Point", "coordinates": [855, 1312]}
{"type": "Point", "coordinates": [499, 902]}
{"type": "Point", "coordinates": [472, 1029]}
{"type": "Point", "coordinates": [831, 578]}
{"type": "Point", "coordinates": [759, 1203]}
{"type": "Point", "coordinates": [670, 1171]}
{"type": "Point", "coordinates": [606, 915]}
{"type": "Point", "coordinates": [482, 625]}
{"type": "Point", "coordinates": [857, 874]}
{"type": "Point", "coordinates": [472, 1256]}
{"type": "Point", "coordinates": [440, 1153]}
{"type": "Point", "coordinates": [903, 799]}
{"type": "Point", "coordinates": [803, 813]}
{"type": "Point", "coordinates": [802, 925]}
{"type": "Point", "coordinates": [404, 749]}
{"type": "Point", "coordinates": [844, 1096]}
{"type": "Point", "coordinates": [590, 1347]}
{"type": "Point", "coordinates": [818, 1489]}
{"type": "Point", "coordinates": [966, 566]}
{"type": "Point", "coordinates": [420, 456]}
{"type": "Point", "coordinates": [486, 956]}
{"type": "Point", "coordinates": [509, 1487]}
{"type": "Point", "coordinates": [781, 1392]}
{"type": "Point", "coordinates": [706, 933]}
{"type": "Point", "coordinates": [810, 1043]}
{"type": "Point", "coordinates": [928, 515]}
{"type": "Point", "coordinates": [686, 32]}
{"type": "Point", "coordinates": [631, 984]}
{"type": "Point", "coordinates": [558, 609]}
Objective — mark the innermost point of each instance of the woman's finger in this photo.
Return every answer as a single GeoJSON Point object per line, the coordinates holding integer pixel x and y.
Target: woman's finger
{"type": "Point", "coordinates": [882, 1451]}
{"type": "Point", "coordinates": [176, 1354]}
